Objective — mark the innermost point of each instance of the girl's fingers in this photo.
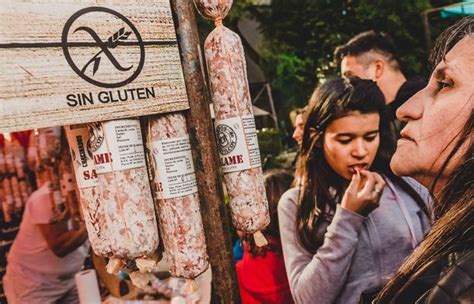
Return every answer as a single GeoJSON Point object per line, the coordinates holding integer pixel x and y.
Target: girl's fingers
{"type": "Point", "coordinates": [379, 183]}
{"type": "Point", "coordinates": [355, 181]}
{"type": "Point", "coordinates": [369, 184]}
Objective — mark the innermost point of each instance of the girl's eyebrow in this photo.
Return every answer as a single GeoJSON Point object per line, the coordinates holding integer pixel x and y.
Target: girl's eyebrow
{"type": "Point", "coordinates": [352, 134]}
{"type": "Point", "coordinates": [372, 132]}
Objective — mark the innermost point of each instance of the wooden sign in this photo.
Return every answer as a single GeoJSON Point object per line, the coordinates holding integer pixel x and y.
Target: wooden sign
{"type": "Point", "coordinates": [69, 62]}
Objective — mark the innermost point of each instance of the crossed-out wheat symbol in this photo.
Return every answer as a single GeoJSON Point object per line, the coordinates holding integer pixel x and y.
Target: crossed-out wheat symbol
{"type": "Point", "coordinates": [121, 37]}
{"type": "Point", "coordinates": [111, 43]}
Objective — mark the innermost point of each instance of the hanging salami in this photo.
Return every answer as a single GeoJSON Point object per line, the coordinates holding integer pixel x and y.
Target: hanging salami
{"type": "Point", "coordinates": [15, 165]}
{"type": "Point", "coordinates": [235, 126]}
{"type": "Point", "coordinates": [48, 148]}
{"type": "Point", "coordinates": [178, 205]}
{"type": "Point", "coordinates": [86, 179]}
{"type": "Point", "coordinates": [124, 190]}
{"type": "Point", "coordinates": [9, 157]}
{"type": "Point", "coordinates": [14, 185]}
{"type": "Point", "coordinates": [6, 197]}
{"type": "Point", "coordinates": [20, 166]}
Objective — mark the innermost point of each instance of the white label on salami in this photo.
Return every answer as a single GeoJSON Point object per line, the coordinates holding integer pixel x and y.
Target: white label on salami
{"type": "Point", "coordinates": [99, 147]}
{"type": "Point", "coordinates": [237, 143]}
{"type": "Point", "coordinates": [174, 168]}
{"type": "Point", "coordinates": [252, 141]}
{"type": "Point", "coordinates": [124, 142]}
{"type": "Point", "coordinates": [78, 137]}
{"type": "Point", "coordinates": [117, 145]}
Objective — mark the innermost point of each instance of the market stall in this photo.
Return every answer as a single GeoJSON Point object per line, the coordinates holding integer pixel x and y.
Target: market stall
{"type": "Point", "coordinates": [125, 81]}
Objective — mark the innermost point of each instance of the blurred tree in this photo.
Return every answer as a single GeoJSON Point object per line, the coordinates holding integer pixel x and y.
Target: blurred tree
{"type": "Point", "coordinates": [300, 37]}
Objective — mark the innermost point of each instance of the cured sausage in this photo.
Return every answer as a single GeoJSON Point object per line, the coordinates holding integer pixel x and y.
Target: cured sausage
{"type": "Point", "coordinates": [86, 178]}
{"type": "Point", "coordinates": [124, 189]}
{"type": "Point", "coordinates": [177, 199]}
{"type": "Point", "coordinates": [234, 123]}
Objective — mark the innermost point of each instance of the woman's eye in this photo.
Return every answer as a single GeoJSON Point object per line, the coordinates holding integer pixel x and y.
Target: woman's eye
{"type": "Point", "coordinates": [443, 84]}
{"type": "Point", "coordinates": [371, 138]}
{"type": "Point", "coordinates": [344, 141]}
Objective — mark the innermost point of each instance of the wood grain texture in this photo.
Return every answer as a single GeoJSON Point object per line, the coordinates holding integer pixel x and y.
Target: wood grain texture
{"type": "Point", "coordinates": [35, 77]}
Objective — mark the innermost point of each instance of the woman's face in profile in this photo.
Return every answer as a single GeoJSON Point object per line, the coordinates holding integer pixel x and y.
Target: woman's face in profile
{"type": "Point", "coordinates": [435, 117]}
{"type": "Point", "coordinates": [351, 142]}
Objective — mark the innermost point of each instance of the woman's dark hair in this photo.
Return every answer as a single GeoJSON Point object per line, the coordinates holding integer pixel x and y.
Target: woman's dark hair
{"type": "Point", "coordinates": [453, 229]}
{"type": "Point", "coordinates": [276, 181]}
{"type": "Point", "coordinates": [320, 187]}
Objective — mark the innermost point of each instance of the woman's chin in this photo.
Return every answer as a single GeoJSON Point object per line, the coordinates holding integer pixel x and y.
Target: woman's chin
{"type": "Point", "coordinates": [400, 165]}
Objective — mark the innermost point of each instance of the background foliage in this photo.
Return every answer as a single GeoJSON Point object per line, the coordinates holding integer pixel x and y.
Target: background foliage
{"type": "Point", "coordinates": [299, 37]}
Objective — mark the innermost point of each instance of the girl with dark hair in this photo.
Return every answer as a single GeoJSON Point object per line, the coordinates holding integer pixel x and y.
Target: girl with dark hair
{"type": "Point", "coordinates": [350, 222]}
{"type": "Point", "coordinates": [261, 272]}
{"type": "Point", "coordinates": [436, 148]}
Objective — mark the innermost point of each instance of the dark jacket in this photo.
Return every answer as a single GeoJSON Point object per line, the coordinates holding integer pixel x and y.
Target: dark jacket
{"type": "Point", "coordinates": [406, 91]}
{"type": "Point", "coordinates": [448, 280]}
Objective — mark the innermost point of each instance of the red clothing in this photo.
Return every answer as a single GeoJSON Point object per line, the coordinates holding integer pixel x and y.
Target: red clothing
{"type": "Point", "coordinates": [263, 279]}
{"type": "Point", "coordinates": [23, 137]}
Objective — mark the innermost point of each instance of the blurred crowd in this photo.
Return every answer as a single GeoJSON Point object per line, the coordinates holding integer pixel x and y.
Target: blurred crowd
{"type": "Point", "coordinates": [379, 209]}
{"type": "Point", "coordinates": [378, 206]}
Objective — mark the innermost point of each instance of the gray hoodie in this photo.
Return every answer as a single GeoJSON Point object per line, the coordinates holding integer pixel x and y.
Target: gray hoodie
{"type": "Point", "coordinates": [358, 252]}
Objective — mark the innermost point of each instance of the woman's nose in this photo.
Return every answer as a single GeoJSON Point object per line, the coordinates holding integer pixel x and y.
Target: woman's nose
{"type": "Point", "coordinates": [359, 150]}
{"type": "Point", "coordinates": [412, 109]}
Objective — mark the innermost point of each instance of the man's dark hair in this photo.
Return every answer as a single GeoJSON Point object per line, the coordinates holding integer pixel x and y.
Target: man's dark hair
{"type": "Point", "coordinates": [365, 42]}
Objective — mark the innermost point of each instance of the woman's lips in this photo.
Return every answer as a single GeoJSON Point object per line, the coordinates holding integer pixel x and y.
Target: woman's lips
{"type": "Point", "coordinates": [404, 135]}
{"type": "Point", "coordinates": [404, 140]}
{"type": "Point", "coordinates": [358, 167]}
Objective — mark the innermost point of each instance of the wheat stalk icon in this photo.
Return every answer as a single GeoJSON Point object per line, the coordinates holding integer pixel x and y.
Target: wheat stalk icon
{"type": "Point", "coordinates": [111, 43]}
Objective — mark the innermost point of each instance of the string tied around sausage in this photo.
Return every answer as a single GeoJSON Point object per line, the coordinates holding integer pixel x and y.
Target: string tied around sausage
{"type": "Point", "coordinates": [218, 21]}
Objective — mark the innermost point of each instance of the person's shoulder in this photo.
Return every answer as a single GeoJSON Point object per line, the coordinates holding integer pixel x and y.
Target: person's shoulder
{"type": "Point", "coordinates": [419, 188]}
{"type": "Point", "coordinates": [291, 195]}
{"type": "Point", "coordinates": [40, 194]}
{"type": "Point", "coordinates": [289, 199]}
{"type": "Point", "coordinates": [39, 204]}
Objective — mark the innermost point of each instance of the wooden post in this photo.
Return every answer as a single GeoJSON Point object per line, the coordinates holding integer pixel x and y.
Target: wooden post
{"type": "Point", "coordinates": [214, 213]}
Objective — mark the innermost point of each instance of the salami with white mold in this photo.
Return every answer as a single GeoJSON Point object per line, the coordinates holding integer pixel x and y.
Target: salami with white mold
{"type": "Point", "coordinates": [124, 188]}
{"type": "Point", "coordinates": [92, 209]}
{"type": "Point", "coordinates": [178, 205]}
{"type": "Point", "coordinates": [235, 126]}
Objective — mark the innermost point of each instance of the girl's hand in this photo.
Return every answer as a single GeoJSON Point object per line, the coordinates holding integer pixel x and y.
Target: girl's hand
{"type": "Point", "coordinates": [361, 198]}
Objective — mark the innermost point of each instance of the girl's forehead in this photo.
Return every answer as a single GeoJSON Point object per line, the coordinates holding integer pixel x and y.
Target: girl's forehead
{"type": "Point", "coordinates": [355, 122]}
